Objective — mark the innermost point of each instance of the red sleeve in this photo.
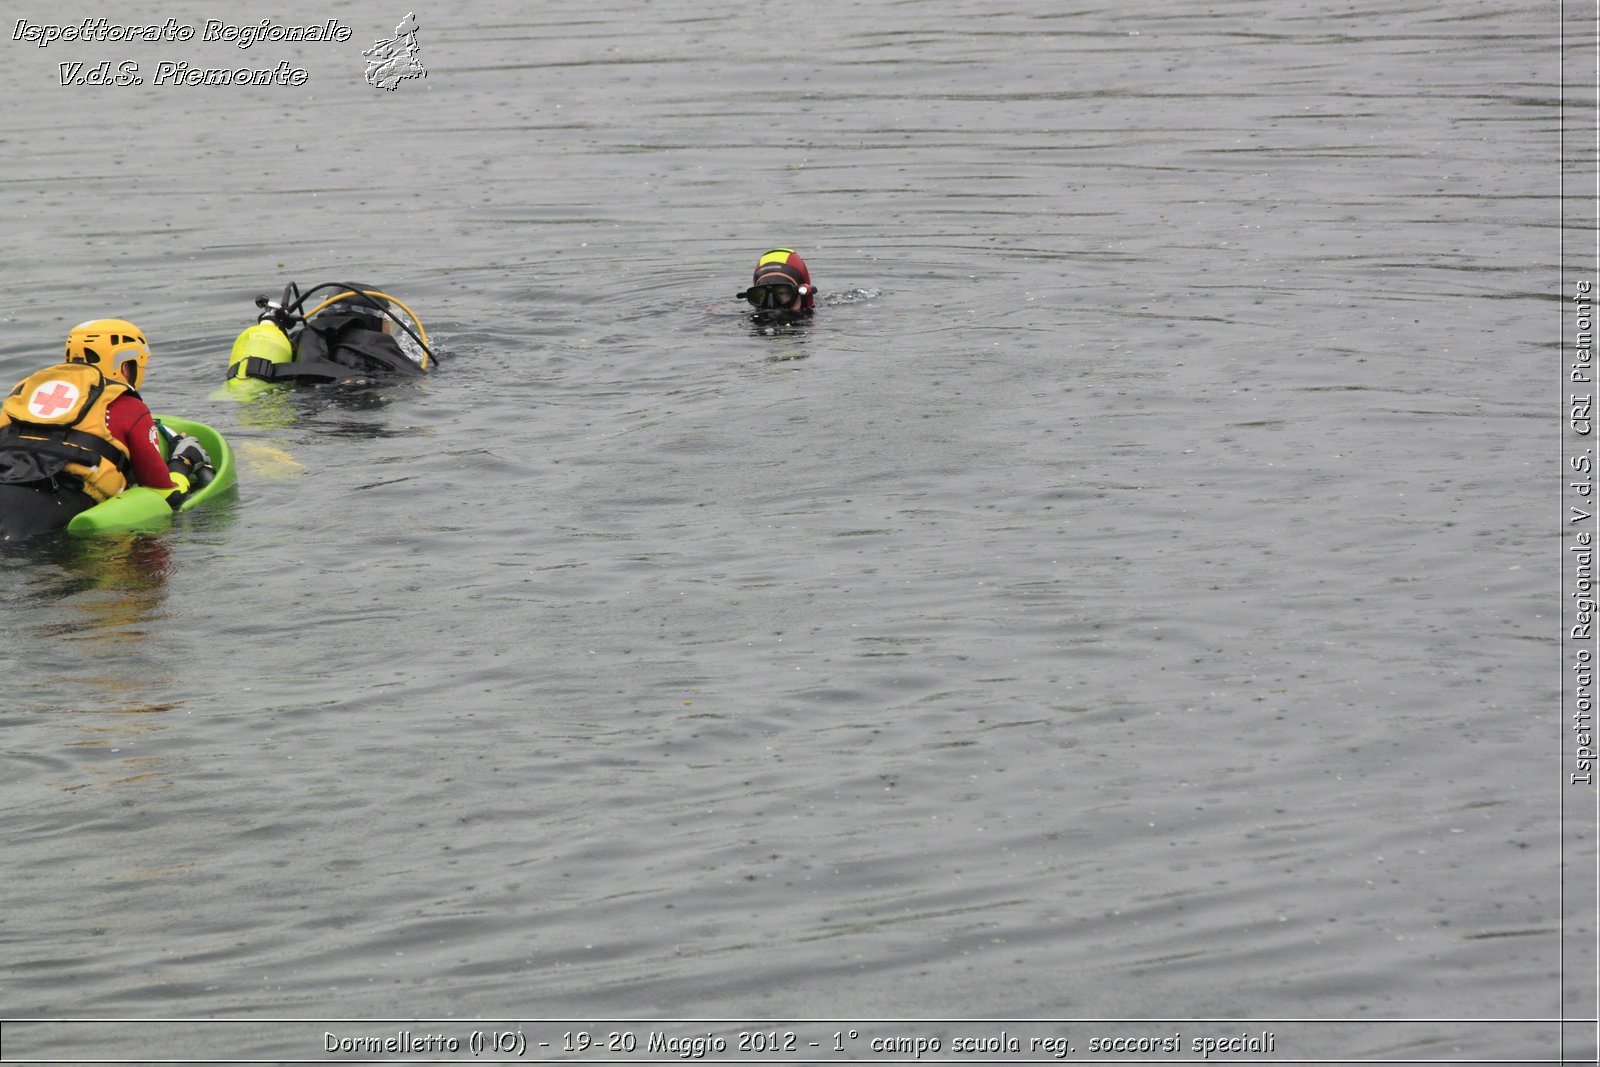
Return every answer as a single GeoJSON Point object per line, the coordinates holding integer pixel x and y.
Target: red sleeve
{"type": "Point", "coordinates": [131, 423]}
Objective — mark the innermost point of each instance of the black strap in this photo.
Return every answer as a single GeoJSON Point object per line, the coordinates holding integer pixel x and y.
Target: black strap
{"type": "Point", "coordinates": [309, 370]}
{"type": "Point", "coordinates": [66, 442]}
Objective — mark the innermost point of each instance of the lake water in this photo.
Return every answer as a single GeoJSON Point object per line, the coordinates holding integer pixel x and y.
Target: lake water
{"type": "Point", "coordinates": [1133, 606]}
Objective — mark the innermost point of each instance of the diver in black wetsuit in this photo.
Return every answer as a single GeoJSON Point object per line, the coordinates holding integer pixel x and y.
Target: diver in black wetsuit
{"type": "Point", "coordinates": [357, 335]}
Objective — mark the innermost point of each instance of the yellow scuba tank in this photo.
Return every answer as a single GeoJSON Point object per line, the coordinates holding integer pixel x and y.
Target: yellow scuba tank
{"type": "Point", "coordinates": [263, 341]}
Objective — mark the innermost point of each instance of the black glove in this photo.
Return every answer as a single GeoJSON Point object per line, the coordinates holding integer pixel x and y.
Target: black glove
{"type": "Point", "coordinates": [189, 459]}
{"type": "Point", "coordinates": [187, 455]}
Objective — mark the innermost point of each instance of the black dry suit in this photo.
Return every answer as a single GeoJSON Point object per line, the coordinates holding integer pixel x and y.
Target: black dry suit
{"type": "Point", "coordinates": [352, 337]}
{"type": "Point", "coordinates": [332, 347]}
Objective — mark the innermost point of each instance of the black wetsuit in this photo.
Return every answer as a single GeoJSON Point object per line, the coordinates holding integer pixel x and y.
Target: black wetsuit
{"type": "Point", "coordinates": [28, 510]}
{"type": "Point", "coordinates": [338, 348]}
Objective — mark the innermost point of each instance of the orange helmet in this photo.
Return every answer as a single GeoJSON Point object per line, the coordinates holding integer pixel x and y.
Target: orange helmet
{"type": "Point", "coordinates": [116, 346]}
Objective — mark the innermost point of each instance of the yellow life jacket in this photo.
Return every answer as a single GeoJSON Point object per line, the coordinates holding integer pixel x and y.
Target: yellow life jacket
{"type": "Point", "coordinates": [54, 423]}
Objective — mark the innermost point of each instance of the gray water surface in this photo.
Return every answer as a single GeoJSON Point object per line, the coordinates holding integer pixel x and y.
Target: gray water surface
{"type": "Point", "coordinates": [1134, 596]}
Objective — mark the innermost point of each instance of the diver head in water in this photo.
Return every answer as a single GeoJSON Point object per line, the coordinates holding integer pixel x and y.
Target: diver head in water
{"type": "Point", "coordinates": [781, 285]}
{"type": "Point", "coordinates": [365, 328]}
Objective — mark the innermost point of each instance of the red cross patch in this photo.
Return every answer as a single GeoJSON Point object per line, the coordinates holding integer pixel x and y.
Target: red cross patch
{"type": "Point", "coordinates": [52, 398]}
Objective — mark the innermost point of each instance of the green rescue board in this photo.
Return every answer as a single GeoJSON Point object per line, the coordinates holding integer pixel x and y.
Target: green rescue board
{"type": "Point", "coordinates": [138, 508]}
